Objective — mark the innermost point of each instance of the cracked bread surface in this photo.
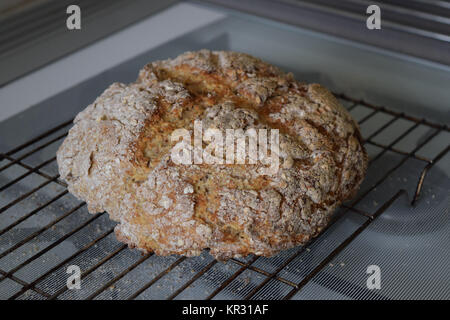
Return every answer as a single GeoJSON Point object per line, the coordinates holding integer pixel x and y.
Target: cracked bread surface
{"type": "Point", "coordinates": [117, 157]}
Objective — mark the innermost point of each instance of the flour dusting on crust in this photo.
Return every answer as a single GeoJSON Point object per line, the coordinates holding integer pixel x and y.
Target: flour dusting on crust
{"type": "Point", "coordinates": [117, 157]}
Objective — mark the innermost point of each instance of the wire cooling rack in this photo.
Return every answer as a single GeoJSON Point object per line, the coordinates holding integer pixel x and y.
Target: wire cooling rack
{"type": "Point", "coordinates": [43, 229]}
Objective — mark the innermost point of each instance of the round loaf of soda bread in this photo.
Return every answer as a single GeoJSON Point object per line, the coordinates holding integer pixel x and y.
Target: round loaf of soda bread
{"type": "Point", "coordinates": [117, 157]}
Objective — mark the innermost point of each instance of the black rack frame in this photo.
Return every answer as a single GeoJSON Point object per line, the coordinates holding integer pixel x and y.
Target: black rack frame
{"type": "Point", "coordinates": [242, 265]}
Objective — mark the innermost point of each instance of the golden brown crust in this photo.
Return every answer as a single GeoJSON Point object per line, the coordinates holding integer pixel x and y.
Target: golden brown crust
{"type": "Point", "coordinates": [117, 157]}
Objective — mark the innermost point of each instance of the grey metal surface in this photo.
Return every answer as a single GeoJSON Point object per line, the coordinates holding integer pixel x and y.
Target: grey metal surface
{"type": "Point", "coordinates": [410, 245]}
{"type": "Point", "coordinates": [35, 37]}
{"type": "Point", "coordinates": [43, 229]}
{"type": "Point", "coordinates": [418, 28]}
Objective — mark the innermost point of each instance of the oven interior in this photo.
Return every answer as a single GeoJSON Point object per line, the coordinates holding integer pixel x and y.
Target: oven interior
{"type": "Point", "coordinates": [398, 221]}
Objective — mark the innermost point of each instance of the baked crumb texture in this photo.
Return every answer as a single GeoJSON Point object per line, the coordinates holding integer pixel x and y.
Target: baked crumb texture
{"type": "Point", "coordinates": [117, 158]}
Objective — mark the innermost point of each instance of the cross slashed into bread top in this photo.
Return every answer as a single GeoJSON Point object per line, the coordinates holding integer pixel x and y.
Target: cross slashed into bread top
{"type": "Point", "coordinates": [117, 157]}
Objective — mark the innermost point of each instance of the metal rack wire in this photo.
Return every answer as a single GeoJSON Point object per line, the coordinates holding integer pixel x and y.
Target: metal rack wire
{"type": "Point", "coordinates": [16, 156]}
